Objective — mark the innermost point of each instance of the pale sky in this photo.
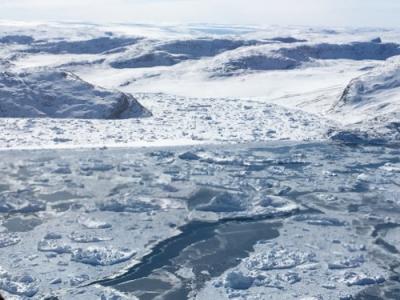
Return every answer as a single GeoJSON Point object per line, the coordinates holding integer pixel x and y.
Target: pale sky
{"type": "Point", "coordinates": [358, 13]}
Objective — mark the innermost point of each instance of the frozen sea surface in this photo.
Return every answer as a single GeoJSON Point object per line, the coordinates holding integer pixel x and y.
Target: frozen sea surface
{"type": "Point", "coordinates": [276, 220]}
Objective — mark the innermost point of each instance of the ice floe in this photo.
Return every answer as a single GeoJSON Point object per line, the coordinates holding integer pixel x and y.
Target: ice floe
{"type": "Point", "coordinates": [102, 256]}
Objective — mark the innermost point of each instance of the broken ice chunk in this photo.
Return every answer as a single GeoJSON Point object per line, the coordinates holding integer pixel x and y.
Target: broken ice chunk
{"type": "Point", "coordinates": [189, 156]}
{"type": "Point", "coordinates": [8, 239]}
{"type": "Point", "coordinates": [101, 256]}
{"type": "Point", "coordinates": [223, 202]}
{"type": "Point", "coordinates": [347, 263]}
{"type": "Point", "coordinates": [290, 277]}
{"type": "Point", "coordinates": [20, 202]}
{"type": "Point", "coordinates": [127, 205]}
{"type": "Point", "coordinates": [54, 246]}
{"type": "Point", "coordinates": [95, 165]}
{"type": "Point", "coordinates": [84, 237]}
{"type": "Point", "coordinates": [77, 280]}
{"type": "Point", "coordinates": [279, 258]}
{"type": "Point", "coordinates": [91, 223]}
{"type": "Point", "coordinates": [319, 220]}
{"type": "Point", "coordinates": [52, 236]}
{"type": "Point", "coordinates": [21, 285]}
{"type": "Point", "coordinates": [238, 281]}
{"type": "Point", "coordinates": [352, 278]}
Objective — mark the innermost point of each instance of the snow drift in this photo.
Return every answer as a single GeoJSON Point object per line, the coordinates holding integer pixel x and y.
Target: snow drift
{"type": "Point", "coordinates": [59, 94]}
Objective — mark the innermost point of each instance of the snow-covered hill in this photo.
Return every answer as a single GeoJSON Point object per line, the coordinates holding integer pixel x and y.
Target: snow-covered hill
{"type": "Point", "coordinates": [59, 94]}
{"type": "Point", "coordinates": [269, 57]}
{"type": "Point", "coordinates": [284, 83]}
{"type": "Point", "coordinates": [376, 92]}
{"type": "Point", "coordinates": [370, 104]}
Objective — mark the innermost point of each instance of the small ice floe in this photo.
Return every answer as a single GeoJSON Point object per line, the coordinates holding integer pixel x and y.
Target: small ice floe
{"type": "Point", "coordinates": [238, 281]}
{"type": "Point", "coordinates": [77, 280]}
{"type": "Point", "coordinates": [391, 168]}
{"type": "Point", "coordinates": [53, 236]}
{"type": "Point", "coordinates": [351, 247]}
{"type": "Point", "coordinates": [318, 220]}
{"type": "Point", "coordinates": [20, 202]}
{"type": "Point", "coordinates": [222, 159]}
{"type": "Point", "coordinates": [85, 237]}
{"type": "Point", "coordinates": [101, 256]}
{"type": "Point", "coordinates": [347, 263]}
{"type": "Point", "coordinates": [110, 294]}
{"type": "Point", "coordinates": [279, 258]}
{"type": "Point", "coordinates": [272, 201]}
{"type": "Point", "coordinates": [228, 203]}
{"type": "Point", "coordinates": [189, 156]}
{"type": "Point", "coordinates": [91, 223]}
{"type": "Point", "coordinates": [364, 177]}
{"type": "Point", "coordinates": [127, 204]}
{"type": "Point", "coordinates": [95, 166]}
{"type": "Point", "coordinates": [328, 286]}
{"type": "Point", "coordinates": [8, 239]}
{"type": "Point", "coordinates": [328, 173]}
{"type": "Point", "coordinates": [223, 202]}
{"type": "Point", "coordinates": [21, 285]}
{"type": "Point", "coordinates": [62, 169]}
{"type": "Point", "coordinates": [54, 246]}
{"type": "Point", "coordinates": [352, 278]}
{"type": "Point", "coordinates": [273, 206]}
{"type": "Point", "coordinates": [56, 281]}
{"type": "Point", "coordinates": [289, 277]}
